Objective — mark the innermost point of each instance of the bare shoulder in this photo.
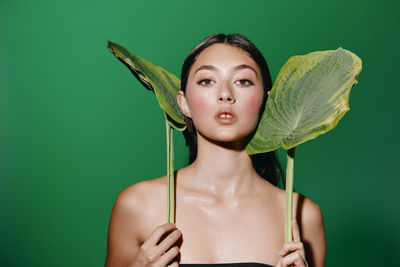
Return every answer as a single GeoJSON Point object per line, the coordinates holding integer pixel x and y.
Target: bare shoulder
{"type": "Point", "coordinates": [307, 210]}
{"type": "Point", "coordinates": [134, 206]}
{"type": "Point", "coordinates": [310, 220]}
{"type": "Point", "coordinates": [140, 202]}
{"type": "Point", "coordinates": [135, 196]}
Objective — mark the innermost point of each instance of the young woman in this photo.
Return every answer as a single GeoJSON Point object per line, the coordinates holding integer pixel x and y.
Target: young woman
{"type": "Point", "coordinates": [229, 210]}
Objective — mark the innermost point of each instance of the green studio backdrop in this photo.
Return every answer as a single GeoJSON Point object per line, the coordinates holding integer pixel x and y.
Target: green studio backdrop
{"type": "Point", "coordinates": [70, 140]}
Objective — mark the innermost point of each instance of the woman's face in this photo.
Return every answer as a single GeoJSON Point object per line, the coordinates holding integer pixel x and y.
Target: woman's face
{"type": "Point", "coordinates": [224, 93]}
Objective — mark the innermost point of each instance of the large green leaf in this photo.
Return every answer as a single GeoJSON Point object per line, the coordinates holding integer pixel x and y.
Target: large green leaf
{"type": "Point", "coordinates": [163, 83]}
{"type": "Point", "coordinates": [309, 97]}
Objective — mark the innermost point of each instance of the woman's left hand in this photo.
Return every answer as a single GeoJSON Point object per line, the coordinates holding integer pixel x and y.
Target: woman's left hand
{"type": "Point", "coordinates": [295, 248]}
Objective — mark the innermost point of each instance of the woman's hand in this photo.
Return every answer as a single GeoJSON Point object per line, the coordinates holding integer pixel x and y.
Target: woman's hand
{"type": "Point", "coordinates": [292, 252]}
{"type": "Point", "coordinates": [158, 254]}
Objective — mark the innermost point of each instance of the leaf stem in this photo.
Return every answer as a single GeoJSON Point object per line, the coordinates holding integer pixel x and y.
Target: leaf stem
{"type": "Point", "coordinates": [289, 194]}
{"type": "Point", "coordinates": [170, 172]}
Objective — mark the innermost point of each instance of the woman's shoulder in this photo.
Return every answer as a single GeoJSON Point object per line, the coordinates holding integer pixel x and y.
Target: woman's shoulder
{"type": "Point", "coordinates": [307, 211]}
{"type": "Point", "coordinates": [312, 231]}
{"type": "Point", "coordinates": [136, 212]}
{"type": "Point", "coordinates": [139, 208]}
{"type": "Point", "coordinates": [141, 193]}
{"type": "Point", "coordinates": [142, 200]}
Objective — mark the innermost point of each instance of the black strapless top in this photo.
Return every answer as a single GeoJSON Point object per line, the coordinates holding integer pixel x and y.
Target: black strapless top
{"type": "Point", "coordinates": [233, 264]}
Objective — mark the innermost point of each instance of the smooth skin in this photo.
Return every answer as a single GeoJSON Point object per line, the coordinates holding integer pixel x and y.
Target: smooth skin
{"type": "Point", "coordinates": [225, 212]}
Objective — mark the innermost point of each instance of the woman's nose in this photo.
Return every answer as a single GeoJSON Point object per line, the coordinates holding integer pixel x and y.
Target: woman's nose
{"type": "Point", "coordinates": [225, 95]}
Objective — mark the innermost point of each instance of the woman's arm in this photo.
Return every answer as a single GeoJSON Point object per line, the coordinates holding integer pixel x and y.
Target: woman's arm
{"type": "Point", "coordinates": [127, 226]}
{"type": "Point", "coordinates": [312, 232]}
{"type": "Point", "coordinates": [123, 239]}
{"type": "Point", "coordinates": [308, 247]}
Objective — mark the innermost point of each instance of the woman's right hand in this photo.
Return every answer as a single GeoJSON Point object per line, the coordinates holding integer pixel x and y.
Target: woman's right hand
{"type": "Point", "coordinates": [153, 253]}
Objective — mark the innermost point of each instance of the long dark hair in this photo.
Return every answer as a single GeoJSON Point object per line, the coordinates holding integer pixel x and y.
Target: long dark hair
{"type": "Point", "coordinates": [266, 164]}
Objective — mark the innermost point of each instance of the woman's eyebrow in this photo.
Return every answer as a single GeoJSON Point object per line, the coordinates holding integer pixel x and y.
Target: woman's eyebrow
{"type": "Point", "coordinates": [238, 67]}
{"type": "Point", "coordinates": [245, 66]}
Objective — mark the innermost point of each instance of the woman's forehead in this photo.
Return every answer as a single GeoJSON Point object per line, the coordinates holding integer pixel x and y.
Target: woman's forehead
{"type": "Point", "coordinates": [221, 55]}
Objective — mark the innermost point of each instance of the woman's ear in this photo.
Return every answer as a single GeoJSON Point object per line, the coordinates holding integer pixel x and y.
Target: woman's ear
{"type": "Point", "coordinates": [180, 97]}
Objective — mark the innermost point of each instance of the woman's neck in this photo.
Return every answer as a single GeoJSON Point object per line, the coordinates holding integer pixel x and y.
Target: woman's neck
{"type": "Point", "coordinates": [225, 170]}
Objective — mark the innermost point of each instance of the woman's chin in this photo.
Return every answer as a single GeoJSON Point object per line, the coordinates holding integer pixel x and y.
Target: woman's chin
{"type": "Point", "coordinates": [229, 141]}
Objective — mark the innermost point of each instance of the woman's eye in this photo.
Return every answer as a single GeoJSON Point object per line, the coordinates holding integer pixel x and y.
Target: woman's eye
{"type": "Point", "coordinates": [205, 82]}
{"type": "Point", "coordinates": [245, 82]}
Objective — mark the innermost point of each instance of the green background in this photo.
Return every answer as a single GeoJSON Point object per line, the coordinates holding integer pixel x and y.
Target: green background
{"type": "Point", "coordinates": [70, 139]}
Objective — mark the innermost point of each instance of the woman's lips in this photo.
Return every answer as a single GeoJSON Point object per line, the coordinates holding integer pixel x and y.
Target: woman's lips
{"type": "Point", "coordinates": [226, 116]}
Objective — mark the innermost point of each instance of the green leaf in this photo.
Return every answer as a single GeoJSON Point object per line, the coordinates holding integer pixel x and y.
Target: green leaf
{"type": "Point", "coordinates": [163, 83]}
{"type": "Point", "coordinates": [309, 97]}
